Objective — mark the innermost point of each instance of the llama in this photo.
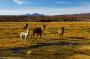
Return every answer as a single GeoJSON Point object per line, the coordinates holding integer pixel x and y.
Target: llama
{"type": "Point", "coordinates": [24, 35]}
{"type": "Point", "coordinates": [38, 31]}
{"type": "Point", "coordinates": [61, 32]}
{"type": "Point", "coordinates": [25, 27]}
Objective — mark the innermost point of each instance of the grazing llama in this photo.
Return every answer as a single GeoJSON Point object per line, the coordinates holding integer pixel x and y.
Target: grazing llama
{"type": "Point", "coordinates": [61, 32]}
{"type": "Point", "coordinates": [24, 35]}
{"type": "Point", "coordinates": [38, 31]}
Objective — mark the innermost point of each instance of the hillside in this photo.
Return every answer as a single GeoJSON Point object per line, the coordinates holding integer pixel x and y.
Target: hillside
{"type": "Point", "coordinates": [40, 17]}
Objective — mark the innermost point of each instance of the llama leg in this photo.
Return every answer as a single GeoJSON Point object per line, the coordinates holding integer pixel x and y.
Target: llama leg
{"type": "Point", "coordinates": [32, 35]}
{"type": "Point", "coordinates": [62, 35]}
{"type": "Point", "coordinates": [25, 38]}
{"type": "Point", "coordinates": [37, 36]}
{"type": "Point", "coordinates": [40, 35]}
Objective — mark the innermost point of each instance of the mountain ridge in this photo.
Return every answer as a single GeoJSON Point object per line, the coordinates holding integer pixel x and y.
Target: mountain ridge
{"type": "Point", "coordinates": [34, 14]}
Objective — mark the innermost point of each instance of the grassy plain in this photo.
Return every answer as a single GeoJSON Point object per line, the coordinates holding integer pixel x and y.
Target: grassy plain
{"type": "Point", "coordinates": [74, 45]}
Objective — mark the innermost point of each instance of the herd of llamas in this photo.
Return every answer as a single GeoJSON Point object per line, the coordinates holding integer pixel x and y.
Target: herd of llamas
{"type": "Point", "coordinates": [37, 31]}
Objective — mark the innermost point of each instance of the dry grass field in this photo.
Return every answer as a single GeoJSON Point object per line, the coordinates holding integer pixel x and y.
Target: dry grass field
{"type": "Point", "coordinates": [74, 45]}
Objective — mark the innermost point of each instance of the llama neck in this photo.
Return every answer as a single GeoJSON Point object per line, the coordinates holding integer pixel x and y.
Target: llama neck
{"type": "Point", "coordinates": [27, 30]}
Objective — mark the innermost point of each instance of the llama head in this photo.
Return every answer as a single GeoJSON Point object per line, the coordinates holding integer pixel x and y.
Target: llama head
{"type": "Point", "coordinates": [44, 26]}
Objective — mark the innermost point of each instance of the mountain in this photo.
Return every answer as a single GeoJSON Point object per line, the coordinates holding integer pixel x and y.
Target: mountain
{"type": "Point", "coordinates": [46, 18]}
{"type": "Point", "coordinates": [34, 14]}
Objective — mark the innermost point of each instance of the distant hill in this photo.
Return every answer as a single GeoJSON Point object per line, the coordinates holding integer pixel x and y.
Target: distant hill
{"type": "Point", "coordinates": [36, 17]}
{"type": "Point", "coordinates": [34, 14]}
{"type": "Point", "coordinates": [83, 14]}
{"type": "Point", "coordinates": [81, 17]}
{"type": "Point", "coordinates": [75, 15]}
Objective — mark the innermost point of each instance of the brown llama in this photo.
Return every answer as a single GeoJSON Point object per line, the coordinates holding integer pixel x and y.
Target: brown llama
{"type": "Point", "coordinates": [38, 31]}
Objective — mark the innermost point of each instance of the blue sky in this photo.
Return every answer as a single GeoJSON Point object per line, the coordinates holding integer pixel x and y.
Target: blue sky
{"type": "Point", "coordinates": [48, 7]}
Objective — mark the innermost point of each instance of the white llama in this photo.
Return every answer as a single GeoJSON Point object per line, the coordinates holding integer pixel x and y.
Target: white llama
{"type": "Point", "coordinates": [24, 35]}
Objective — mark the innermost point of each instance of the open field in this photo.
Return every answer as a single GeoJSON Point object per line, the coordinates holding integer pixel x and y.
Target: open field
{"type": "Point", "coordinates": [74, 45]}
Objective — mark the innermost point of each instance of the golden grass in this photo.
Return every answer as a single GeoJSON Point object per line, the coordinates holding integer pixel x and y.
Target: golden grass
{"type": "Point", "coordinates": [75, 32]}
{"type": "Point", "coordinates": [10, 30]}
{"type": "Point", "coordinates": [79, 56]}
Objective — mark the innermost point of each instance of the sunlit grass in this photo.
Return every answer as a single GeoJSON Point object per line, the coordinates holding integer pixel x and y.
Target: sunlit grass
{"type": "Point", "coordinates": [73, 45]}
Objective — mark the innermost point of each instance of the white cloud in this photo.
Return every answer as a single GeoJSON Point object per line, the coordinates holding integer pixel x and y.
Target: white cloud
{"type": "Point", "coordinates": [85, 8]}
{"type": "Point", "coordinates": [19, 1]}
{"type": "Point", "coordinates": [62, 2]}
